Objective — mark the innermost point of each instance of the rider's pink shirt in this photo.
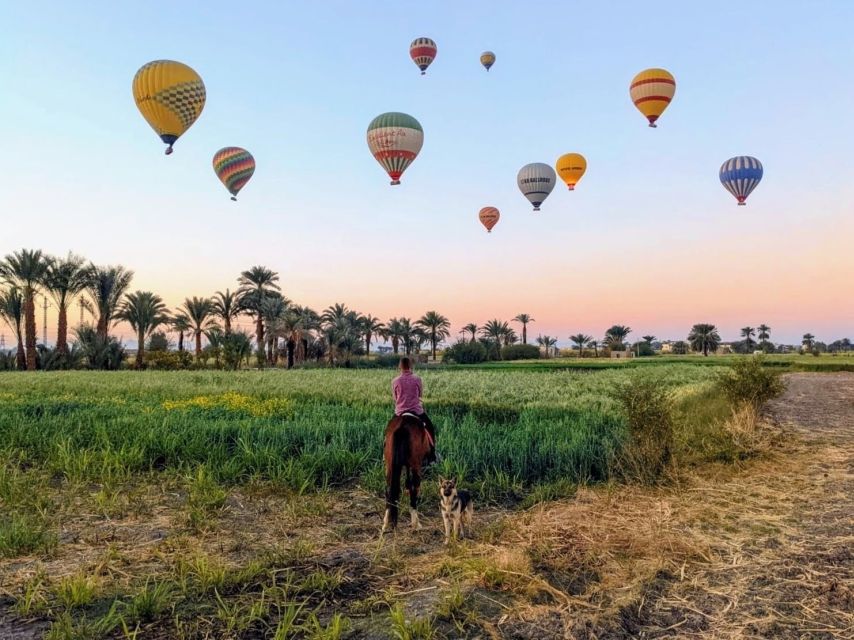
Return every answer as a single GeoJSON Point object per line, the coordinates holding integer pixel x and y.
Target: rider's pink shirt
{"type": "Point", "coordinates": [407, 393]}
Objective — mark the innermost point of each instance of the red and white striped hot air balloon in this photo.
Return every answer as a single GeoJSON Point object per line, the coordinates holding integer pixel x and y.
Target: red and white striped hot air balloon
{"type": "Point", "coordinates": [651, 91]}
{"type": "Point", "coordinates": [489, 217]}
{"type": "Point", "coordinates": [423, 52]}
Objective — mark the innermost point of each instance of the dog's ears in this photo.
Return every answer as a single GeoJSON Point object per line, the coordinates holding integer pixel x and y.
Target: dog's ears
{"type": "Point", "coordinates": [441, 480]}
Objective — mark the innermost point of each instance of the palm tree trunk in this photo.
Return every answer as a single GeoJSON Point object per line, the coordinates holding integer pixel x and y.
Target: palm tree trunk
{"type": "Point", "coordinates": [30, 330]}
{"type": "Point", "coordinates": [259, 333]}
{"type": "Point", "coordinates": [62, 330]}
{"type": "Point", "coordinates": [140, 348]}
{"type": "Point", "coordinates": [227, 322]}
{"type": "Point", "coordinates": [198, 343]}
{"type": "Point", "coordinates": [290, 347]}
{"type": "Point", "coordinates": [368, 345]}
{"type": "Point", "coordinates": [524, 333]}
{"type": "Point", "coordinates": [180, 341]}
{"type": "Point", "coordinates": [20, 357]}
{"type": "Point", "coordinates": [101, 329]}
{"type": "Point", "coordinates": [304, 348]}
{"type": "Point", "coordinates": [434, 349]}
{"type": "Point", "coordinates": [395, 344]}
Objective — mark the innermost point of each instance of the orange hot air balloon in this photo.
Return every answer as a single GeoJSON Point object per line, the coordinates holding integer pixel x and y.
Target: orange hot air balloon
{"type": "Point", "coordinates": [651, 91]}
{"type": "Point", "coordinates": [570, 167]}
{"type": "Point", "coordinates": [489, 217]}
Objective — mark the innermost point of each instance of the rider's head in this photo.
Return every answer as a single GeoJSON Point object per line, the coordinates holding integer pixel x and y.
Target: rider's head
{"type": "Point", "coordinates": [405, 364]}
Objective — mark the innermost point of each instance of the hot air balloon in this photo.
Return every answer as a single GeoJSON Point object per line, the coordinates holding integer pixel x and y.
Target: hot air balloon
{"type": "Point", "coordinates": [570, 167]}
{"type": "Point", "coordinates": [740, 175]}
{"type": "Point", "coordinates": [536, 182]}
{"type": "Point", "coordinates": [395, 140]}
{"type": "Point", "coordinates": [423, 52]}
{"type": "Point", "coordinates": [651, 91]}
{"type": "Point", "coordinates": [489, 217]}
{"type": "Point", "coordinates": [234, 167]}
{"type": "Point", "coordinates": [487, 59]}
{"type": "Point", "coordinates": [170, 96]}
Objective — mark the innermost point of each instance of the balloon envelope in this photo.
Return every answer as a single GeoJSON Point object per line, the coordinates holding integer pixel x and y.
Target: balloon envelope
{"type": "Point", "coordinates": [395, 140]}
{"type": "Point", "coordinates": [170, 96]}
{"type": "Point", "coordinates": [487, 59]}
{"type": "Point", "coordinates": [651, 91]}
{"type": "Point", "coordinates": [234, 167]}
{"type": "Point", "coordinates": [536, 181]}
{"type": "Point", "coordinates": [570, 167]}
{"type": "Point", "coordinates": [488, 217]}
{"type": "Point", "coordinates": [740, 176]}
{"type": "Point", "coordinates": [423, 52]}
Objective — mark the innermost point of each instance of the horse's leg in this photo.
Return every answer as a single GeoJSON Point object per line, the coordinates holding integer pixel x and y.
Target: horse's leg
{"type": "Point", "coordinates": [414, 484]}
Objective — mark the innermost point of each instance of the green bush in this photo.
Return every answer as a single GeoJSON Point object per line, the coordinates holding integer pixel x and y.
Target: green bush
{"type": "Point", "coordinates": [642, 348]}
{"type": "Point", "coordinates": [465, 353]}
{"type": "Point", "coordinates": [520, 352]}
{"type": "Point", "coordinates": [168, 360]}
{"type": "Point", "coordinates": [648, 409]}
{"type": "Point", "coordinates": [748, 382]}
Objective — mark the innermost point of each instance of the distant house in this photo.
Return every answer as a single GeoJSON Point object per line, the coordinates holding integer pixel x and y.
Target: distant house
{"type": "Point", "coordinates": [724, 348]}
{"type": "Point", "coordinates": [666, 347]}
{"type": "Point", "coordinates": [384, 349]}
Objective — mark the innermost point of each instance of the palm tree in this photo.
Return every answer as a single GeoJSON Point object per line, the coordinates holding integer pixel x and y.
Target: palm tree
{"type": "Point", "coordinates": [309, 321]}
{"type": "Point", "coordinates": [616, 336]}
{"type": "Point", "coordinates": [12, 311]}
{"type": "Point", "coordinates": [144, 312]}
{"type": "Point", "coordinates": [181, 324]}
{"type": "Point", "coordinates": [273, 310]}
{"type": "Point", "coordinates": [198, 312]}
{"type": "Point", "coordinates": [226, 307]}
{"type": "Point", "coordinates": [808, 342]}
{"type": "Point", "coordinates": [547, 343]}
{"type": "Point", "coordinates": [66, 278]}
{"type": "Point", "coordinates": [495, 330]}
{"type": "Point", "coordinates": [256, 284]}
{"type": "Point", "coordinates": [371, 327]}
{"type": "Point", "coordinates": [436, 327]}
{"type": "Point", "coordinates": [747, 333]}
{"type": "Point", "coordinates": [524, 319]}
{"type": "Point", "coordinates": [764, 332]}
{"type": "Point", "coordinates": [28, 270]}
{"type": "Point", "coordinates": [580, 341]}
{"type": "Point", "coordinates": [595, 345]}
{"type": "Point", "coordinates": [472, 328]}
{"type": "Point", "coordinates": [393, 332]}
{"type": "Point", "coordinates": [106, 286]}
{"type": "Point", "coordinates": [405, 333]}
{"type": "Point", "coordinates": [704, 337]}
{"type": "Point", "coordinates": [649, 339]}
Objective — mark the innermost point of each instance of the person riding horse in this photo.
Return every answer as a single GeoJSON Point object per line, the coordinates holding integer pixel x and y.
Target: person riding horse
{"type": "Point", "coordinates": [406, 389]}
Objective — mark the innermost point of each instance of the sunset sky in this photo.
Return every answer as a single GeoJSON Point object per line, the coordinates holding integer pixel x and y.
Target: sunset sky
{"type": "Point", "coordinates": [649, 239]}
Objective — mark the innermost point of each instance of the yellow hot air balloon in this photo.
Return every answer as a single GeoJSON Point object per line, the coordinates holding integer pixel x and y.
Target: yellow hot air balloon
{"type": "Point", "coordinates": [651, 91]}
{"type": "Point", "coordinates": [170, 96]}
{"type": "Point", "coordinates": [570, 167]}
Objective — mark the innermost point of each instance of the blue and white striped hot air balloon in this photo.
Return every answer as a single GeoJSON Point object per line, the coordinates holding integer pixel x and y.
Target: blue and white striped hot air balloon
{"type": "Point", "coordinates": [740, 175]}
{"type": "Point", "coordinates": [536, 181]}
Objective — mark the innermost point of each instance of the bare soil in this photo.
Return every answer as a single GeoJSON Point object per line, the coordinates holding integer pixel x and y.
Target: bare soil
{"type": "Point", "coordinates": [760, 549]}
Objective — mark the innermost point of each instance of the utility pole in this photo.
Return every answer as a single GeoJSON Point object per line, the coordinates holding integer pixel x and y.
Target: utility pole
{"type": "Point", "coordinates": [80, 302]}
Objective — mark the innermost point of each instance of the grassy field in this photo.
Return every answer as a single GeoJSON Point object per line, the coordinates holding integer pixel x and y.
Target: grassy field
{"type": "Point", "coordinates": [146, 500]}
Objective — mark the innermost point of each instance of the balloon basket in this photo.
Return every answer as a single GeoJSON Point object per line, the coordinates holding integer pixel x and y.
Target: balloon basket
{"type": "Point", "coordinates": [169, 150]}
{"type": "Point", "coordinates": [652, 125]}
{"type": "Point", "coordinates": [571, 187]}
{"type": "Point", "coordinates": [742, 204]}
{"type": "Point", "coordinates": [233, 199]}
{"type": "Point", "coordinates": [394, 182]}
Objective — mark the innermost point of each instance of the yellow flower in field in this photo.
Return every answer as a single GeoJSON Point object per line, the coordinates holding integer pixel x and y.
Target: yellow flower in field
{"type": "Point", "coordinates": [233, 403]}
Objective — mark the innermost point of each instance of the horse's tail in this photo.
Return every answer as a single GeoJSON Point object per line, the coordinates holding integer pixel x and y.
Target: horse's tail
{"type": "Point", "coordinates": [395, 459]}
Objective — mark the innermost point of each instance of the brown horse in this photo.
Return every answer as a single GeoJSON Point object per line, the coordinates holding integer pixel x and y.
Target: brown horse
{"type": "Point", "coordinates": [407, 442]}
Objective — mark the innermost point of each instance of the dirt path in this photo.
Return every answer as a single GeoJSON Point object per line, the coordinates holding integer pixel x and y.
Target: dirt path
{"type": "Point", "coordinates": [763, 553]}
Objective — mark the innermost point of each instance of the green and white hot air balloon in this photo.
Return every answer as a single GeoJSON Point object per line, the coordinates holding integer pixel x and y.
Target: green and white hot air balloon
{"type": "Point", "coordinates": [395, 140]}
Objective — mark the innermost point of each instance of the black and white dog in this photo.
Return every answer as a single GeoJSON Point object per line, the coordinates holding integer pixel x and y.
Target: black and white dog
{"type": "Point", "coordinates": [457, 508]}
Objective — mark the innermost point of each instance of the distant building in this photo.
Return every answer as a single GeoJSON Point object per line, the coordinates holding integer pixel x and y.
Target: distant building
{"type": "Point", "coordinates": [666, 347]}
{"type": "Point", "coordinates": [725, 348]}
{"type": "Point", "coordinates": [622, 354]}
{"type": "Point", "coordinates": [384, 349]}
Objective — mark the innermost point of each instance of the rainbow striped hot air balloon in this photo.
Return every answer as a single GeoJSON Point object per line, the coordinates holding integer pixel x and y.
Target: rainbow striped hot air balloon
{"type": "Point", "coordinates": [487, 59]}
{"type": "Point", "coordinates": [488, 217]}
{"type": "Point", "coordinates": [740, 175]}
{"type": "Point", "coordinates": [423, 52]}
{"type": "Point", "coordinates": [234, 167]}
{"type": "Point", "coordinates": [651, 91]}
{"type": "Point", "coordinates": [170, 96]}
{"type": "Point", "coordinates": [536, 181]}
{"type": "Point", "coordinates": [395, 140]}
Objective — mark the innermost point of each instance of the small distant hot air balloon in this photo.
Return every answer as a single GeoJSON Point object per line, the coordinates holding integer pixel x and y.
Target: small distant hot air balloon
{"type": "Point", "coordinates": [487, 59]}
{"type": "Point", "coordinates": [536, 182]}
{"type": "Point", "coordinates": [740, 175]}
{"type": "Point", "coordinates": [570, 167]}
{"type": "Point", "coordinates": [395, 140]}
{"type": "Point", "coordinates": [423, 52]}
{"type": "Point", "coordinates": [651, 91]}
{"type": "Point", "coordinates": [489, 217]}
{"type": "Point", "coordinates": [233, 166]}
{"type": "Point", "coordinates": [170, 96]}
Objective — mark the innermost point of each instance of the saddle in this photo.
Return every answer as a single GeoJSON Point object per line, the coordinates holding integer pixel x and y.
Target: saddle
{"type": "Point", "coordinates": [423, 426]}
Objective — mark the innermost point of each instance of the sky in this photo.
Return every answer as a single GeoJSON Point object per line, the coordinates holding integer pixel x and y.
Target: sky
{"type": "Point", "coordinates": [649, 239]}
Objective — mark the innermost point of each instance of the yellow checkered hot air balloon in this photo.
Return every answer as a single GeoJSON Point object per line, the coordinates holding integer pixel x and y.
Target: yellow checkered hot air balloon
{"type": "Point", "coordinates": [651, 91]}
{"type": "Point", "coordinates": [170, 96]}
